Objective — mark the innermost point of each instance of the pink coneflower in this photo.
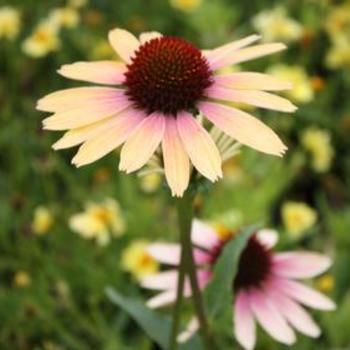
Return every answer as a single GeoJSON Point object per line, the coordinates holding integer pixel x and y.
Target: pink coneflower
{"type": "Point", "coordinates": [265, 287]}
{"type": "Point", "coordinates": [161, 86]}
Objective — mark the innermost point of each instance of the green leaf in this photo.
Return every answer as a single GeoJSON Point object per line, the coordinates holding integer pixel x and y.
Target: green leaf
{"type": "Point", "coordinates": [156, 325]}
{"type": "Point", "coordinates": [219, 294]}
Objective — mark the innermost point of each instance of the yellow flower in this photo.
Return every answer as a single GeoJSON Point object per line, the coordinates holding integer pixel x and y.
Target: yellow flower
{"type": "Point", "coordinates": [233, 172]}
{"type": "Point", "coordinates": [302, 90]}
{"type": "Point", "coordinates": [276, 25]}
{"type": "Point", "coordinates": [339, 54]}
{"type": "Point", "coordinates": [338, 21]}
{"type": "Point", "coordinates": [99, 221]}
{"type": "Point", "coordinates": [77, 3]}
{"type": "Point", "coordinates": [297, 218]}
{"type": "Point", "coordinates": [186, 5]}
{"type": "Point", "coordinates": [65, 17]}
{"type": "Point", "coordinates": [318, 143]}
{"type": "Point", "coordinates": [42, 220]}
{"type": "Point", "coordinates": [43, 40]}
{"type": "Point", "coordinates": [22, 279]}
{"type": "Point", "coordinates": [150, 183]}
{"type": "Point", "coordinates": [9, 22]}
{"type": "Point", "coordinates": [137, 261]}
{"type": "Point", "coordinates": [325, 283]}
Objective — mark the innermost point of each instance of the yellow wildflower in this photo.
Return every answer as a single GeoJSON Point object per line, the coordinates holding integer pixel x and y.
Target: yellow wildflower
{"type": "Point", "coordinates": [297, 218]}
{"type": "Point", "coordinates": [99, 221]}
{"type": "Point", "coordinates": [137, 261]}
{"type": "Point", "coordinates": [9, 22]}
{"type": "Point", "coordinates": [339, 54]}
{"type": "Point", "coordinates": [276, 25]}
{"type": "Point", "coordinates": [43, 40]}
{"type": "Point", "coordinates": [338, 21]}
{"type": "Point", "coordinates": [22, 279]}
{"type": "Point", "coordinates": [325, 283]}
{"type": "Point", "coordinates": [65, 17]}
{"type": "Point", "coordinates": [77, 3]}
{"type": "Point", "coordinates": [318, 143]}
{"type": "Point", "coordinates": [150, 183]}
{"type": "Point", "coordinates": [186, 5]}
{"type": "Point", "coordinates": [42, 220]}
{"type": "Point", "coordinates": [302, 90]}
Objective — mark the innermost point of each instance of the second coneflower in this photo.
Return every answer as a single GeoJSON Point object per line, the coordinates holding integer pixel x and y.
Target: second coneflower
{"type": "Point", "coordinates": [162, 84]}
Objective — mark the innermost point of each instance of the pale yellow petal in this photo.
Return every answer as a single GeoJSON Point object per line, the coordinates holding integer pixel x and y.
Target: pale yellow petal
{"type": "Point", "coordinates": [124, 43]}
{"type": "Point", "coordinates": [147, 36]}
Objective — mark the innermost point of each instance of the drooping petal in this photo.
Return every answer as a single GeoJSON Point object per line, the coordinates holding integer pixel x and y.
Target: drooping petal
{"type": "Point", "coordinates": [216, 56]}
{"type": "Point", "coordinates": [203, 235]}
{"type": "Point", "coordinates": [124, 43]}
{"type": "Point", "coordinates": [244, 324]}
{"type": "Point", "coordinates": [252, 97]}
{"type": "Point", "coordinates": [303, 294]}
{"type": "Point", "coordinates": [190, 330]}
{"type": "Point", "coordinates": [125, 123]}
{"type": "Point", "coordinates": [147, 36]}
{"type": "Point", "coordinates": [176, 161]}
{"type": "Point", "coordinates": [294, 313]}
{"type": "Point", "coordinates": [252, 81]}
{"type": "Point", "coordinates": [243, 127]}
{"type": "Point", "coordinates": [270, 318]}
{"type": "Point", "coordinates": [199, 146]}
{"type": "Point", "coordinates": [162, 299]}
{"type": "Point", "coordinates": [100, 72]}
{"type": "Point", "coordinates": [67, 99]}
{"type": "Point", "coordinates": [267, 237]}
{"type": "Point", "coordinates": [300, 264]}
{"type": "Point", "coordinates": [141, 145]}
{"type": "Point", "coordinates": [161, 281]}
{"type": "Point", "coordinates": [165, 253]}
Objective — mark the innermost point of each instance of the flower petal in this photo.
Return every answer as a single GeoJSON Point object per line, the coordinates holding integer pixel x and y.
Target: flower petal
{"type": "Point", "coordinates": [141, 145]}
{"type": "Point", "coordinates": [203, 235]}
{"type": "Point", "coordinates": [199, 146]}
{"type": "Point", "coordinates": [243, 127]}
{"type": "Point", "coordinates": [176, 161]}
{"type": "Point", "coordinates": [191, 328]}
{"type": "Point", "coordinates": [267, 237]}
{"type": "Point", "coordinates": [270, 318]}
{"type": "Point", "coordinates": [166, 253]}
{"type": "Point", "coordinates": [100, 72]}
{"type": "Point", "coordinates": [252, 81]}
{"type": "Point", "coordinates": [163, 299]}
{"type": "Point", "coordinates": [124, 43]}
{"type": "Point", "coordinates": [252, 97]}
{"type": "Point", "coordinates": [161, 281]}
{"type": "Point", "coordinates": [303, 294]}
{"type": "Point", "coordinates": [300, 264]}
{"type": "Point", "coordinates": [125, 123]}
{"type": "Point", "coordinates": [147, 36]}
{"type": "Point", "coordinates": [244, 324]}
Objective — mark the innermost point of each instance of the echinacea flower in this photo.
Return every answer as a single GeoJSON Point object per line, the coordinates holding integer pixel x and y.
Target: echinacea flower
{"type": "Point", "coordinates": [266, 288]}
{"type": "Point", "coordinates": [162, 85]}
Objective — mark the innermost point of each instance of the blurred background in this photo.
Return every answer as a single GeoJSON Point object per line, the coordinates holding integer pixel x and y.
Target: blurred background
{"type": "Point", "coordinates": [66, 233]}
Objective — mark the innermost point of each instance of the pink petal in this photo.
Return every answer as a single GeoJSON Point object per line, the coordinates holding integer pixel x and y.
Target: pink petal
{"type": "Point", "coordinates": [166, 253]}
{"type": "Point", "coordinates": [244, 324]}
{"type": "Point", "coordinates": [203, 235]}
{"type": "Point", "coordinates": [252, 97]}
{"type": "Point", "coordinates": [243, 127]}
{"type": "Point", "coordinates": [124, 43]}
{"type": "Point", "coordinates": [252, 81]}
{"type": "Point", "coordinates": [294, 313]}
{"type": "Point", "coordinates": [161, 281]}
{"type": "Point", "coordinates": [176, 161]}
{"type": "Point", "coordinates": [147, 36]}
{"type": "Point", "coordinates": [100, 72]}
{"type": "Point", "coordinates": [303, 294]}
{"type": "Point", "coordinates": [300, 264]}
{"type": "Point", "coordinates": [141, 145]}
{"type": "Point", "coordinates": [201, 257]}
{"type": "Point", "coordinates": [267, 237]}
{"type": "Point", "coordinates": [125, 123]}
{"type": "Point", "coordinates": [199, 146]}
{"type": "Point", "coordinates": [270, 318]}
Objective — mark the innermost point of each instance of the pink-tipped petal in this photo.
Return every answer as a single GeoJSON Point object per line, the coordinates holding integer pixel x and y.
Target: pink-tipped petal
{"type": "Point", "coordinates": [270, 318]}
{"type": "Point", "coordinates": [300, 264]}
{"type": "Point", "coordinates": [244, 324]}
{"type": "Point", "coordinates": [267, 237]}
{"type": "Point", "coordinates": [199, 146]}
{"type": "Point", "coordinates": [64, 100]}
{"type": "Point", "coordinates": [294, 313]}
{"type": "Point", "coordinates": [252, 97]}
{"type": "Point", "coordinates": [125, 123]}
{"type": "Point", "coordinates": [176, 161]}
{"type": "Point", "coordinates": [141, 145]}
{"type": "Point", "coordinates": [252, 81]}
{"type": "Point", "coordinates": [303, 294]}
{"type": "Point", "coordinates": [165, 253]}
{"type": "Point", "coordinates": [190, 330]}
{"type": "Point", "coordinates": [100, 72]}
{"type": "Point", "coordinates": [243, 127]}
{"type": "Point", "coordinates": [217, 56]}
{"type": "Point", "coordinates": [124, 43]}
{"type": "Point", "coordinates": [161, 281]}
{"type": "Point", "coordinates": [147, 36]}
{"type": "Point", "coordinates": [203, 235]}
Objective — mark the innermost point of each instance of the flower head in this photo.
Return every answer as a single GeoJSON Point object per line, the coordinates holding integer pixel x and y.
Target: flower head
{"type": "Point", "coordinates": [266, 288]}
{"type": "Point", "coordinates": [9, 22]}
{"type": "Point", "coordinates": [163, 85]}
{"type": "Point", "coordinates": [42, 220]}
{"type": "Point", "coordinates": [186, 5]}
